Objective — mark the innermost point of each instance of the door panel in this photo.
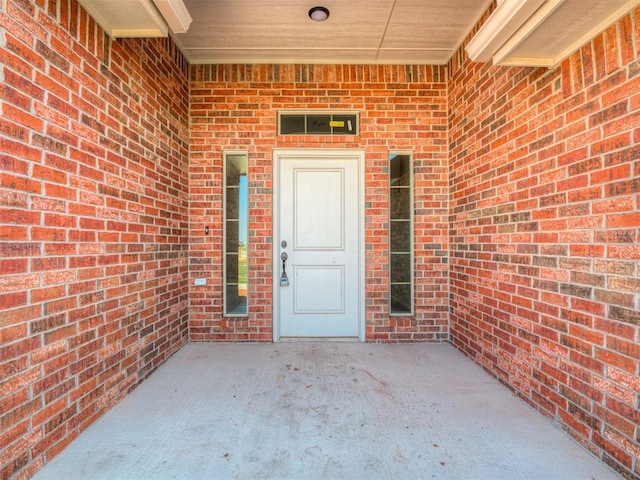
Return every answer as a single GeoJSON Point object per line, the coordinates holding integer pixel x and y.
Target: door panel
{"type": "Point", "coordinates": [318, 289]}
{"type": "Point", "coordinates": [319, 219]}
{"type": "Point", "coordinates": [319, 209]}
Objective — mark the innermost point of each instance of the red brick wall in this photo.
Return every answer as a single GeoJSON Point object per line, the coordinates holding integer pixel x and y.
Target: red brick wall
{"type": "Point", "coordinates": [235, 107]}
{"type": "Point", "coordinates": [545, 247]}
{"type": "Point", "coordinates": [93, 222]}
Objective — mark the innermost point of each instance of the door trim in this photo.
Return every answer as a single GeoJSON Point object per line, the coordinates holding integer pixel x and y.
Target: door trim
{"type": "Point", "coordinates": [320, 154]}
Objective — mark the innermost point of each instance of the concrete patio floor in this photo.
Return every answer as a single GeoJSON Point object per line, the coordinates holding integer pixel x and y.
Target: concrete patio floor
{"type": "Point", "coordinates": [323, 411]}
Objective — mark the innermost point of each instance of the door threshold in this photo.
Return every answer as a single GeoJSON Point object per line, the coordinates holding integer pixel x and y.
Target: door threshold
{"type": "Point", "coordinates": [319, 339]}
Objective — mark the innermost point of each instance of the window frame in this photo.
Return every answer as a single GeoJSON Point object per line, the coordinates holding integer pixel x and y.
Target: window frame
{"type": "Point", "coordinates": [322, 113]}
{"type": "Point", "coordinates": [410, 187]}
{"type": "Point", "coordinates": [227, 312]}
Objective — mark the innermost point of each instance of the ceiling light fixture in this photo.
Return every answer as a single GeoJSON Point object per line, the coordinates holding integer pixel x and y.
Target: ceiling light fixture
{"type": "Point", "coordinates": [319, 14]}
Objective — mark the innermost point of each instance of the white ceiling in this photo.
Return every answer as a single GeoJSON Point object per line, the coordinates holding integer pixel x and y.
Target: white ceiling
{"type": "Point", "coordinates": [357, 31]}
{"type": "Point", "coordinates": [559, 28]}
{"type": "Point", "coordinates": [363, 31]}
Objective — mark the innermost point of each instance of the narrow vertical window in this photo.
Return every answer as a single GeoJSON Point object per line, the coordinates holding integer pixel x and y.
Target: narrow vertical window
{"type": "Point", "coordinates": [401, 233]}
{"type": "Point", "coordinates": [235, 233]}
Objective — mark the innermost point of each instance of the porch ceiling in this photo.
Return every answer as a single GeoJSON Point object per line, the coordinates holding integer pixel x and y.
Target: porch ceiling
{"type": "Point", "coordinates": [518, 32]}
{"type": "Point", "coordinates": [357, 31]}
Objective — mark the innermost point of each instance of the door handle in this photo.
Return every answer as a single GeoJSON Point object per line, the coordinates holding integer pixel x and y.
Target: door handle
{"type": "Point", "coordinates": [284, 280]}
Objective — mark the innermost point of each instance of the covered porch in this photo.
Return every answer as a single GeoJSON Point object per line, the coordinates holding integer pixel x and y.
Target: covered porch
{"type": "Point", "coordinates": [321, 410]}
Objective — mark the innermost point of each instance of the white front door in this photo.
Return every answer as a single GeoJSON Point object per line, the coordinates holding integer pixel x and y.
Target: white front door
{"type": "Point", "coordinates": [319, 228]}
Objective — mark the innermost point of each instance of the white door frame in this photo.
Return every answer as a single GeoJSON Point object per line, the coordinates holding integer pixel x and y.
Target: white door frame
{"type": "Point", "coordinates": [320, 154]}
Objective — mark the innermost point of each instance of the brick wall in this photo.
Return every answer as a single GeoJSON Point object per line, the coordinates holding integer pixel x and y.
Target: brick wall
{"type": "Point", "coordinates": [235, 107]}
{"type": "Point", "coordinates": [545, 246]}
{"type": "Point", "coordinates": [93, 222]}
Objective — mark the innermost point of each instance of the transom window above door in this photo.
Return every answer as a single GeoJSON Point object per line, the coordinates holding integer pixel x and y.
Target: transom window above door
{"type": "Point", "coordinates": [314, 122]}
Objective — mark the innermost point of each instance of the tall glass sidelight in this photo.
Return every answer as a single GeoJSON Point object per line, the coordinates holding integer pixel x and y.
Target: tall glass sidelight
{"type": "Point", "coordinates": [235, 233]}
{"type": "Point", "coordinates": [401, 233]}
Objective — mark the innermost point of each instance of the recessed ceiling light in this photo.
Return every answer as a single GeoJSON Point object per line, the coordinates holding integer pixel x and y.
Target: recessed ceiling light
{"type": "Point", "coordinates": [319, 14]}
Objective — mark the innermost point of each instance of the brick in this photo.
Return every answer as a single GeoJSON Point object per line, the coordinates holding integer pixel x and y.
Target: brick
{"type": "Point", "coordinates": [588, 279]}
{"type": "Point", "coordinates": [587, 305]}
{"type": "Point", "coordinates": [624, 284]}
{"type": "Point", "coordinates": [19, 282]}
{"type": "Point", "coordinates": [24, 92]}
{"type": "Point", "coordinates": [47, 204]}
{"type": "Point", "coordinates": [624, 315]}
{"type": "Point", "coordinates": [624, 187]}
{"type": "Point", "coordinates": [50, 174]}
{"type": "Point", "coordinates": [48, 263]}
{"type": "Point", "coordinates": [13, 300]}
{"type": "Point", "coordinates": [623, 378]}
{"type": "Point", "coordinates": [19, 183]}
{"type": "Point", "coordinates": [614, 236]}
{"type": "Point", "coordinates": [16, 216]}
{"type": "Point", "coordinates": [615, 267]}
{"type": "Point", "coordinates": [13, 266]}
{"type": "Point", "coordinates": [608, 114]}
{"type": "Point", "coordinates": [612, 143]}
{"type": "Point", "coordinates": [48, 234]}
{"type": "Point", "coordinates": [13, 332]}
{"type": "Point", "coordinates": [13, 233]}
{"type": "Point", "coordinates": [612, 205]}
{"type": "Point", "coordinates": [15, 128]}
{"type": "Point", "coordinates": [576, 345]}
{"type": "Point", "coordinates": [624, 347]}
{"type": "Point", "coordinates": [612, 358]}
{"type": "Point", "coordinates": [59, 334]}
{"type": "Point", "coordinates": [623, 220]}
{"type": "Point", "coordinates": [39, 295]}
{"type": "Point", "coordinates": [615, 298]}
{"type": "Point", "coordinates": [616, 172]}
{"type": "Point", "coordinates": [621, 156]}
{"type": "Point", "coordinates": [11, 316]}
{"type": "Point", "coordinates": [626, 252]}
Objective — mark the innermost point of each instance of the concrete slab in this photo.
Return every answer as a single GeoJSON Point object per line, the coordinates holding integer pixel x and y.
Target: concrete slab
{"type": "Point", "coordinates": [323, 411]}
